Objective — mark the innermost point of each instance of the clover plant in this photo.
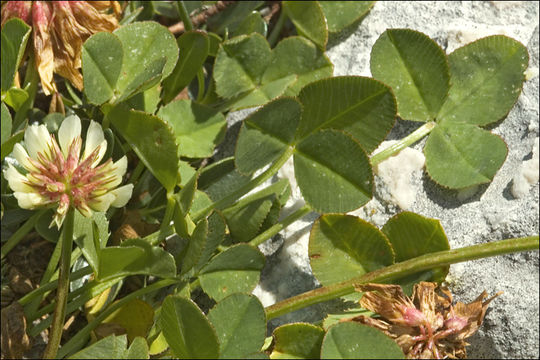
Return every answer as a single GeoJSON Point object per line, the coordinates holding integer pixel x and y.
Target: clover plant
{"type": "Point", "coordinates": [170, 273]}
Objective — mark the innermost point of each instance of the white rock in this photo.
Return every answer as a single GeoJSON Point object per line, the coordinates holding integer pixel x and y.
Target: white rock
{"type": "Point", "coordinates": [527, 174]}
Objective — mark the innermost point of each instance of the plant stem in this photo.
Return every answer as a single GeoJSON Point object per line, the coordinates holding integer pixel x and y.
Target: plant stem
{"type": "Point", "coordinates": [399, 270]}
{"type": "Point", "coordinates": [253, 183]}
{"type": "Point", "coordinates": [403, 143]}
{"type": "Point", "coordinates": [200, 82]}
{"type": "Point", "coordinates": [184, 16]}
{"type": "Point", "coordinates": [273, 230]}
{"type": "Point", "coordinates": [163, 233]}
{"type": "Point", "coordinates": [20, 233]}
{"type": "Point", "coordinates": [276, 31]}
{"type": "Point", "coordinates": [76, 340]}
{"type": "Point", "coordinates": [63, 287]}
{"type": "Point", "coordinates": [136, 173]}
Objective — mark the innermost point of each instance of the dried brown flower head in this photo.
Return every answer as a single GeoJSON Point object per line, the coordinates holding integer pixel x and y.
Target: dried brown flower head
{"type": "Point", "coordinates": [59, 31]}
{"type": "Point", "coordinates": [426, 326]}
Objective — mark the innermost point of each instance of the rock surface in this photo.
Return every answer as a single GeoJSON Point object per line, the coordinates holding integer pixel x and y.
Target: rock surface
{"type": "Point", "coordinates": [471, 216]}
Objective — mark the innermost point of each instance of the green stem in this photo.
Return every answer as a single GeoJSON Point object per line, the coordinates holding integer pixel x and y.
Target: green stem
{"type": "Point", "coordinates": [253, 183]}
{"type": "Point", "coordinates": [403, 143]}
{"type": "Point", "coordinates": [399, 270]}
{"type": "Point", "coordinates": [20, 233]}
{"type": "Point", "coordinates": [63, 287]}
{"type": "Point", "coordinates": [76, 340]}
{"type": "Point", "coordinates": [165, 224]}
{"type": "Point", "coordinates": [136, 173]}
{"type": "Point", "coordinates": [184, 16]}
{"type": "Point", "coordinates": [274, 35]}
{"type": "Point", "coordinates": [262, 237]}
{"type": "Point", "coordinates": [30, 84]}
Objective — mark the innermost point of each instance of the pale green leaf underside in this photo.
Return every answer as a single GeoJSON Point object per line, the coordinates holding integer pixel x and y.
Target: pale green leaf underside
{"type": "Point", "coordinates": [417, 70]}
{"type": "Point", "coordinates": [343, 246]}
{"type": "Point", "coordinates": [462, 155]}
{"type": "Point", "coordinates": [487, 77]}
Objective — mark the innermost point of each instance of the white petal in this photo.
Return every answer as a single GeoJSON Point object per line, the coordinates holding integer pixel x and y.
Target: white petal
{"type": "Point", "coordinates": [123, 194]}
{"type": "Point", "coordinates": [16, 180]}
{"type": "Point", "coordinates": [36, 139]}
{"type": "Point", "coordinates": [94, 137]}
{"type": "Point", "coordinates": [69, 130]}
{"type": "Point", "coordinates": [119, 169]}
{"type": "Point", "coordinates": [103, 202]}
{"type": "Point", "coordinates": [20, 154]}
{"type": "Point", "coordinates": [30, 200]}
{"type": "Point", "coordinates": [101, 153]}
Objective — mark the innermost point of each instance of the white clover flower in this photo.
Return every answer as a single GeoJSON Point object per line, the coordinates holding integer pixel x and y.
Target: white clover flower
{"type": "Point", "coordinates": [56, 175]}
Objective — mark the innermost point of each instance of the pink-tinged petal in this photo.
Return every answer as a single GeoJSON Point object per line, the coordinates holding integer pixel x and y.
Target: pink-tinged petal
{"type": "Point", "coordinates": [94, 138]}
{"type": "Point", "coordinates": [20, 154]}
{"type": "Point", "coordinates": [102, 203]}
{"type": "Point", "coordinates": [30, 200]}
{"type": "Point", "coordinates": [16, 180]}
{"type": "Point", "coordinates": [117, 171]}
{"type": "Point", "coordinates": [37, 139]}
{"type": "Point", "coordinates": [84, 209]}
{"type": "Point", "coordinates": [20, 9]}
{"type": "Point", "coordinates": [123, 194]}
{"type": "Point", "coordinates": [69, 130]}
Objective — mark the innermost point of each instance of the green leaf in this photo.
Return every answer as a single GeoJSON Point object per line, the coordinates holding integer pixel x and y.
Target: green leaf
{"type": "Point", "coordinates": [214, 42]}
{"type": "Point", "coordinates": [15, 34]}
{"type": "Point", "coordinates": [136, 317]}
{"type": "Point", "coordinates": [308, 17]}
{"type": "Point", "coordinates": [232, 16]}
{"type": "Point", "coordinates": [221, 178]}
{"type": "Point", "coordinates": [7, 146]}
{"type": "Point", "coordinates": [240, 63]}
{"type": "Point", "coordinates": [362, 107]}
{"type": "Point", "coordinates": [252, 23]}
{"type": "Point", "coordinates": [15, 97]}
{"type": "Point", "coordinates": [246, 217]}
{"type": "Point", "coordinates": [114, 347]}
{"type": "Point", "coordinates": [417, 70]}
{"type": "Point", "coordinates": [413, 235]}
{"type": "Point", "coordinates": [350, 340]}
{"type": "Point", "coordinates": [51, 234]}
{"type": "Point", "coordinates": [153, 141]}
{"type": "Point", "coordinates": [333, 172]}
{"type": "Point", "coordinates": [146, 101]}
{"type": "Point", "coordinates": [188, 332]}
{"type": "Point", "coordinates": [186, 195]}
{"type": "Point", "coordinates": [138, 349]}
{"type": "Point", "coordinates": [195, 246]}
{"type": "Point", "coordinates": [194, 46]}
{"type": "Point", "coordinates": [297, 341]}
{"type": "Point", "coordinates": [237, 269]}
{"type": "Point", "coordinates": [266, 134]}
{"type": "Point", "coordinates": [135, 256]}
{"type": "Point", "coordinates": [102, 57]}
{"type": "Point", "coordinates": [248, 73]}
{"type": "Point", "coordinates": [475, 155]}
{"type": "Point", "coordinates": [240, 323]}
{"type": "Point", "coordinates": [83, 235]}
{"type": "Point", "coordinates": [198, 128]}
{"type": "Point", "coordinates": [487, 76]}
{"type": "Point", "coordinates": [216, 233]}
{"type": "Point", "coordinates": [6, 124]}
{"type": "Point", "coordinates": [144, 80]}
{"type": "Point", "coordinates": [297, 55]}
{"type": "Point", "coordinates": [145, 44]}
{"type": "Point", "coordinates": [340, 14]}
{"type": "Point", "coordinates": [343, 246]}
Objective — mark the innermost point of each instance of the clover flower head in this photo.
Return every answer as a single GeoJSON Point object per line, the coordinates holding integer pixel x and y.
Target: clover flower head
{"type": "Point", "coordinates": [59, 29]}
{"type": "Point", "coordinates": [428, 325]}
{"type": "Point", "coordinates": [54, 174]}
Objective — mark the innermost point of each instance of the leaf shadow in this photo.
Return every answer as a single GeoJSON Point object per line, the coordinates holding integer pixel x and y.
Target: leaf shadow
{"type": "Point", "coordinates": [450, 198]}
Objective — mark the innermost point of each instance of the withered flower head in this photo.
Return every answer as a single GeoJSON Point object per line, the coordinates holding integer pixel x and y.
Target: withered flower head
{"type": "Point", "coordinates": [426, 326]}
{"type": "Point", "coordinates": [59, 31]}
